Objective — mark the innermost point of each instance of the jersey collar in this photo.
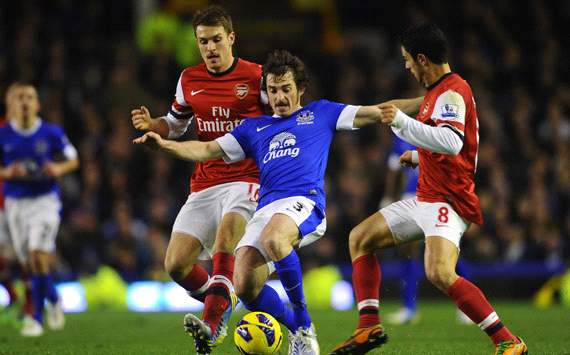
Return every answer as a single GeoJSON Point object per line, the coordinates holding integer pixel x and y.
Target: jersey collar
{"type": "Point", "coordinates": [227, 71]}
{"type": "Point", "coordinates": [27, 132]}
{"type": "Point", "coordinates": [438, 81]}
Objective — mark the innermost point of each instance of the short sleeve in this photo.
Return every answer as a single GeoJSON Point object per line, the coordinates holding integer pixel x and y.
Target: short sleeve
{"type": "Point", "coordinates": [180, 114]}
{"type": "Point", "coordinates": [345, 120]}
{"type": "Point", "coordinates": [63, 145]}
{"type": "Point", "coordinates": [235, 144]}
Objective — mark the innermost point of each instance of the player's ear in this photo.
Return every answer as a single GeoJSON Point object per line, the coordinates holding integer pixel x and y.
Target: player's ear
{"type": "Point", "coordinates": [232, 38]}
{"type": "Point", "coordinates": [422, 59]}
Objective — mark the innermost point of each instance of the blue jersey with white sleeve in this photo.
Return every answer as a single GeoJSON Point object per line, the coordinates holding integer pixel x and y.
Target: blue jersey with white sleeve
{"type": "Point", "coordinates": [32, 148]}
{"type": "Point", "coordinates": [399, 146]}
{"type": "Point", "coordinates": [291, 152]}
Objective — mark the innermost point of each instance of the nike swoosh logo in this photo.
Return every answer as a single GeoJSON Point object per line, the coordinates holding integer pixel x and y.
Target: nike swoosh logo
{"type": "Point", "coordinates": [262, 128]}
{"type": "Point", "coordinates": [441, 225]}
{"type": "Point", "coordinates": [192, 93]}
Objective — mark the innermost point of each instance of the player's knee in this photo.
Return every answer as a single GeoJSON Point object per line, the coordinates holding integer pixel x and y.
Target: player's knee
{"type": "Point", "coordinates": [361, 240]}
{"type": "Point", "coordinates": [272, 244]}
{"type": "Point", "coordinates": [175, 267]}
{"type": "Point", "coordinates": [440, 275]}
{"type": "Point", "coordinates": [245, 287]}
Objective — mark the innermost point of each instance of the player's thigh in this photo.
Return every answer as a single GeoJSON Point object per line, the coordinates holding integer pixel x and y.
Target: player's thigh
{"type": "Point", "coordinates": [250, 272]}
{"type": "Point", "coordinates": [199, 217]}
{"type": "Point", "coordinates": [440, 259]}
{"type": "Point", "coordinates": [371, 234]}
{"type": "Point", "coordinates": [182, 252]}
{"type": "Point", "coordinates": [238, 205]}
{"type": "Point", "coordinates": [14, 209]}
{"type": "Point", "coordinates": [396, 225]}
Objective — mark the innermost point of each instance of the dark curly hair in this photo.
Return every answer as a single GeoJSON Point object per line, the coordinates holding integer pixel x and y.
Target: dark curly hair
{"type": "Point", "coordinates": [213, 16]}
{"type": "Point", "coordinates": [280, 62]}
{"type": "Point", "coordinates": [427, 39]}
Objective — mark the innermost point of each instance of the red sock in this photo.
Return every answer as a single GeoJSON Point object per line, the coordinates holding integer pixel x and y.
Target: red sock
{"type": "Point", "coordinates": [366, 278]}
{"type": "Point", "coordinates": [196, 282]}
{"type": "Point", "coordinates": [218, 297]}
{"type": "Point", "coordinates": [28, 307]}
{"type": "Point", "coordinates": [471, 301]}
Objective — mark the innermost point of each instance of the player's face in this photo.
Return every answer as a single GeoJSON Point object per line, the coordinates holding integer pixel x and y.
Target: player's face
{"type": "Point", "coordinates": [284, 96]}
{"type": "Point", "coordinates": [28, 102]}
{"type": "Point", "coordinates": [215, 46]}
{"type": "Point", "coordinates": [412, 65]}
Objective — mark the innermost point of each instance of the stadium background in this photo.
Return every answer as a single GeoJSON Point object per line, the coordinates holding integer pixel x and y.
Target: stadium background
{"type": "Point", "coordinates": [94, 61]}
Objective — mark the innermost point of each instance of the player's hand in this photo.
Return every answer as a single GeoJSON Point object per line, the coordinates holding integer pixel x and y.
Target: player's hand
{"type": "Point", "coordinates": [51, 169]}
{"type": "Point", "coordinates": [141, 118]}
{"type": "Point", "coordinates": [406, 160]}
{"type": "Point", "coordinates": [15, 171]}
{"type": "Point", "coordinates": [151, 140]}
{"type": "Point", "coordinates": [387, 113]}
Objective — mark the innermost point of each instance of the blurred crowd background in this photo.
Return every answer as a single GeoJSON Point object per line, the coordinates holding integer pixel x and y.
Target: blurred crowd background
{"type": "Point", "coordinates": [94, 61]}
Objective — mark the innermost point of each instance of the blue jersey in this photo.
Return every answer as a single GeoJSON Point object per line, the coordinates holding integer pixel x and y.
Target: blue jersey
{"type": "Point", "coordinates": [291, 152]}
{"type": "Point", "coordinates": [31, 148]}
{"type": "Point", "coordinates": [398, 148]}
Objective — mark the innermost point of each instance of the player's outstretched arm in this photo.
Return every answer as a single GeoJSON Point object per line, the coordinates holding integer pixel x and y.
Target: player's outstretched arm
{"type": "Point", "coordinates": [439, 139]}
{"type": "Point", "coordinates": [410, 107]}
{"type": "Point", "coordinates": [188, 150]}
{"type": "Point", "coordinates": [57, 169]}
{"type": "Point", "coordinates": [142, 120]}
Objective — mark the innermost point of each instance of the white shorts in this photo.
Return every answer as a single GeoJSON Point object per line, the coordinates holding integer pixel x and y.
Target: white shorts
{"type": "Point", "coordinates": [311, 221]}
{"type": "Point", "coordinates": [203, 211]}
{"type": "Point", "coordinates": [33, 223]}
{"type": "Point", "coordinates": [411, 220]}
{"type": "Point", "coordinates": [4, 233]}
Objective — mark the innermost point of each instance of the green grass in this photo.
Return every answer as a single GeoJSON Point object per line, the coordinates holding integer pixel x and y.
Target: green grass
{"type": "Point", "coordinates": [107, 332]}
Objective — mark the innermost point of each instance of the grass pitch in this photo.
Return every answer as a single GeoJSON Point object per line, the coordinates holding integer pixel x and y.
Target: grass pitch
{"type": "Point", "coordinates": [107, 332]}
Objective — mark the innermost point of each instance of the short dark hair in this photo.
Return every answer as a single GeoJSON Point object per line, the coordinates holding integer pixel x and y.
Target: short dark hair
{"type": "Point", "coordinates": [279, 62]}
{"type": "Point", "coordinates": [427, 39]}
{"type": "Point", "coordinates": [213, 16]}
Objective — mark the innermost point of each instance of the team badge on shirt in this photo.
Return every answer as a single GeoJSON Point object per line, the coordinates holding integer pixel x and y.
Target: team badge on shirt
{"type": "Point", "coordinates": [426, 108]}
{"type": "Point", "coordinates": [241, 91]}
{"type": "Point", "coordinates": [449, 111]}
{"type": "Point", "coordinates": [41, 147]}
{"type": "Point", "coordinates": [305, 117]}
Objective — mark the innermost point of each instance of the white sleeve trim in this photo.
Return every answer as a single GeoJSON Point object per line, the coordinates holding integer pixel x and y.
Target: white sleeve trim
{"type": "Point", "coordinates": [346, 118]}
{"type": "Point", "coordinates": [435, 139]}
{"type": "Point", "coordinates": [394, 162]}
{"type": "Point", "coordinates": [176, 127]}
{"type": "Point", "coordinates": [233, 151]}
{"type": "Point", "coordinates": [69, 152]}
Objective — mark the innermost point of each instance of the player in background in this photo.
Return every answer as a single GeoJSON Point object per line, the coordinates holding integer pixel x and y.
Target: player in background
{"type": "Point", "coordinates": [291, 149]}
{"type": "Point", "coordinates": [6, 249]}
{"type": "Point", "coordinates": [34, 155]}
{"type": "Point", "coordinates": [401, 184]}
{"type": "Point", "coordinates": [217, 95]}
{"type": "Point", "coordinates": [446, 134]}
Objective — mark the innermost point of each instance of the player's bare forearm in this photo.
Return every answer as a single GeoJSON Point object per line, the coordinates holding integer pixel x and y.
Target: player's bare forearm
{"type": "Point", "coordinates": [367, 115]}
{"type": "Point", "coordinates": [160, 126]}
{"type": "Point", "coordinates": [192, 150]}
{"type": "Point", "coordinates": [410, 107]}
{"type": "Point", "coordinates": [67, 166]}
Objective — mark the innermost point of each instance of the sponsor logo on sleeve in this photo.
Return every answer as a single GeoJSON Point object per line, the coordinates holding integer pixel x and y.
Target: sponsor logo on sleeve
{"type": "Point", "coordinates": [449, 111]}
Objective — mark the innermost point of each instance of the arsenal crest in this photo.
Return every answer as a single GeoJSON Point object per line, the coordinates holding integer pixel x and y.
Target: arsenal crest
{"type": "Point", "coordinates": [241, 91]}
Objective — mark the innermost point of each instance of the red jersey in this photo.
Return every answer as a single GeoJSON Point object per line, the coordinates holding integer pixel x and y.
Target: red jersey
{"type": "Point", "coordinates": [217, 103]}
{"type": "Point", "coordinates": [450, 178]}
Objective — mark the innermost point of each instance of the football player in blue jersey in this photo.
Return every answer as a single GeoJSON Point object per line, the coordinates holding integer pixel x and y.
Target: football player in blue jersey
{"type": "Point", "coordinates": [291, 150]}
{"type": "Point", "coordinates": [34, 155]}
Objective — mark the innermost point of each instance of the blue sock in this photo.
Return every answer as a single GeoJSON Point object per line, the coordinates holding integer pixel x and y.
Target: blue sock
{"type": "Point", "coordinates": [412, 268]}
{"type": "Point", "coordinates": [51, 292]}
{"type": "Point", "coordinates": [290, 274]}
{"type": "Point", "coordinates": [268, 301]}
{"type": "Point", "coordinates": [38, 295]}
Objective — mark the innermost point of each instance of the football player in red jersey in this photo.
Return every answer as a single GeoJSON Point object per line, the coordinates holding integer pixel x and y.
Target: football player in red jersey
{"type": "Point", "coordinates": [217, 94]}
{"type": "Point", "coordinates": [446, 134]}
